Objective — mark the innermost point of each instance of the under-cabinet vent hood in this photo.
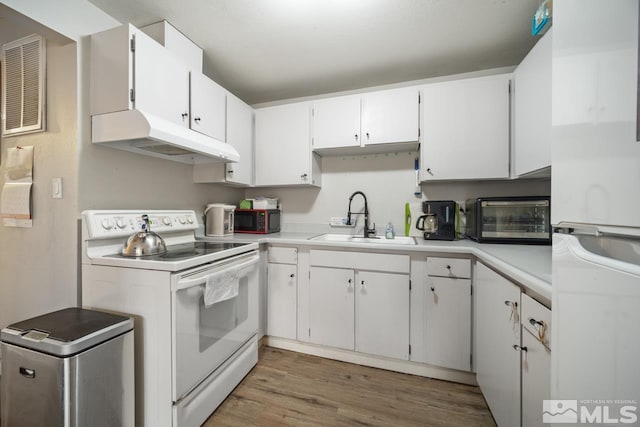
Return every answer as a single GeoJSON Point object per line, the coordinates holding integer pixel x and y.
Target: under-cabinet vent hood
{"type": "Point", "coordinates": [144, 133]}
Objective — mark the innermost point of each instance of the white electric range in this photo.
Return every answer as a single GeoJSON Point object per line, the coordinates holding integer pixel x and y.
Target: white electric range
{"type": "Point", "coordinates": [195, 309]}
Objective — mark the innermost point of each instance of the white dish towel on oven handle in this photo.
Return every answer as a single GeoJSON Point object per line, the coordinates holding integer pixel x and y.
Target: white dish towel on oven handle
{"type": "Point", "coordinates": [225, 284]}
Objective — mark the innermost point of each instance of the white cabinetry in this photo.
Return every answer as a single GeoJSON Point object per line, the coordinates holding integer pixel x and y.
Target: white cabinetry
{"type": "Point", "coordinates": [282, 291]}
{"type": "Point", "coordinates": [360, 301]}
{"type": "Point", "coordinates": [447, 313]}
{"type": "Point", "coordinates": [465, 129]}
{"type": "Point", "coordinates": [240, 136]}
{"type": "Point", "coordinates": [532, 109]}
{"type": "Point", "coordinates": [208, 107]}
{"type": "Point", "coordinates": [283, 146]}
{"type": "Point", "coordinates": [536, 360]}
{"type": "Point", "coordinates": [131, 70]}
{"type": "Point", "coordinates": [381, 117]}
{"type": "Point", "coordinates": [497, 355]}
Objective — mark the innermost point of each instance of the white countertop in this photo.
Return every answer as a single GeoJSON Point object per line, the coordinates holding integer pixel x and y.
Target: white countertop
{"type": "Point", "coordinates": [528, 265]}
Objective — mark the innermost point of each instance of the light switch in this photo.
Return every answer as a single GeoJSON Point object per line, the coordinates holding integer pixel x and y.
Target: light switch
{"type": "Point", "coordinates": [56, 188]}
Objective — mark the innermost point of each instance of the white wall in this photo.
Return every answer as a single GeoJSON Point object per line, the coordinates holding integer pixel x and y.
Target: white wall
{"type": "Point", "coordinates": [388, 180]}
{"type": "Point", "coordinates": [38, 265]}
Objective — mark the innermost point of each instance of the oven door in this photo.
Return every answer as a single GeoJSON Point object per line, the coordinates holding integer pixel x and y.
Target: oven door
{"type": "Point", "coordinates": [204, 337]}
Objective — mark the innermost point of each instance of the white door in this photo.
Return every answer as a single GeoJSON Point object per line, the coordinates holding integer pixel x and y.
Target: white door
{"type": "Point", "coordinates": [382, 314]}
{"type": "Point", "coordinates": [283, 145]}
{"type": "Point", "coordinates": [331, 307]}
{"type": "Point", "coordinates": [497, 361]}
{"type": "Point", "coordinates": [208, 107]}
{"type": "Point", "coordinates": [532, 109]}
{"type": "Point", "coordinates": [595, 153]}
{"type": "Point", "coordinates": [282, 285]}
{"type": "Point", "coordinates": [536, 379]}
{"type": "Point", "coordinates": [390, 116]}
{"type": "Point", "coordinates": [448, 323]}
{"type": "Point", "coordinates": [465, 131]}
{"type": "Point", "coordinates": [336, 122]}
{"type": "Point", "coordinates": [240, 136]}
{"type": "Point", "coordinates": [155, 68]}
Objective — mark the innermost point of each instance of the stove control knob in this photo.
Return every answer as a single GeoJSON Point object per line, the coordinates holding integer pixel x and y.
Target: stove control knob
{"type": "Point", "coordinates": [166, 220]}
{"type": "Point", "coordinates": [107, 224]}
{"type": "Point", "coordinates": [182, 220]}
{"type": "Point", "coordinates": [190, 220]}
{"type": "Point", "coordinates": [120, 223]}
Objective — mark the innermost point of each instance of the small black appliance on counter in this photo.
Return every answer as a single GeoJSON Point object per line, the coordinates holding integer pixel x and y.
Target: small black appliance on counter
{"type": "Point", "coordinates": [441, 220]}
{"type": "Point", "coordinates": [520, 220]}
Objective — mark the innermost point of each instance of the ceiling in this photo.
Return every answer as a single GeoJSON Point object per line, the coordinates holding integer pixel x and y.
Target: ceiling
{"type": "Point", "coordinates": [267, 50]}
{"type": "Point", "coordinates": [14, 26]}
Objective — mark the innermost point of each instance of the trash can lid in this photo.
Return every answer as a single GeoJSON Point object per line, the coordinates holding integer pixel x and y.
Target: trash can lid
{"type": "Point", "coordinates": [66, 332]}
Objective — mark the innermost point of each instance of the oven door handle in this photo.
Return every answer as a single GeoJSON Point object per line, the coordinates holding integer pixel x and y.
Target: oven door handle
{"type": "Point", "coordinates": [188, 283]}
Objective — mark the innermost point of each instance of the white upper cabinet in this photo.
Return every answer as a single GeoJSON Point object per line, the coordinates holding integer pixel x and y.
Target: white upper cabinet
{"type": "Point", "coordinates": [532, 109]}
{"type": "Point", "coordinates": [283, 146]}
{"type": "Point", "coordinates": [131, 70]}
{"type": "Point", "coordinates": [336, 122]}
{"type": "Point", "coordinates": [355, 122]}
{"type": "Point", "coordinates": [208, 107]}
{"type": "Point", "coordinates": [390, 116]}
{"type": "Point", "coordinates": [465, 129]}
{"type": "Point", "coordinates": [239, 134]}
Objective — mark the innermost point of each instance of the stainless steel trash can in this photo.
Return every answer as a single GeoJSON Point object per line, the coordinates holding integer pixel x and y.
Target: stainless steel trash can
{"type": "Point", "coordinates": [72, 367]}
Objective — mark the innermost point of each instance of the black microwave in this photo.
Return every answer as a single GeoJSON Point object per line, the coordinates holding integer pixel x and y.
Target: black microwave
{"type": "Point", "coordinates": [258, 221]}
{"type": "Point", "coordinates": [522, 220]}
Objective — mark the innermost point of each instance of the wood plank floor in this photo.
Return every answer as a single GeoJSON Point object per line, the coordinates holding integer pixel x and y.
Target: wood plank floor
{"type": "Point", "coordinates": [294, 389]}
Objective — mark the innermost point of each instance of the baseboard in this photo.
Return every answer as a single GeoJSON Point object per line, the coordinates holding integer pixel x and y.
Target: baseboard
{"type": "Point", "coordinates": [405, 367]}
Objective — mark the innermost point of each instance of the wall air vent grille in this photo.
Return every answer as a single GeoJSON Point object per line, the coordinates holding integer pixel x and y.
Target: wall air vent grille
{"type": "Point", "coordinates": [23, 85]}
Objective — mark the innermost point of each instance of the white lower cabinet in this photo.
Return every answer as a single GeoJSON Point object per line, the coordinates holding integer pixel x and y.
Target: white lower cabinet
{"type": "Point", "coordinates": [497, 355]}
{"type": "Point", "coordinates": [282, 292]}
{"type": "Point", "coordinates": [536, 379]}
{"type": "Point", "coordinates": [354, 305]}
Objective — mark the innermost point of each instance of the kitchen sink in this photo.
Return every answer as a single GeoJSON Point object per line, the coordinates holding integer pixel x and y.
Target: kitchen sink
{"type": "Point", "coordinates": [347, 238]}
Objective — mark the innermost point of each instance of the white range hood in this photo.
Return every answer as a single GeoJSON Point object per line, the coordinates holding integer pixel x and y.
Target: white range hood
{"type": "Point", "coordinates": [139, 132]}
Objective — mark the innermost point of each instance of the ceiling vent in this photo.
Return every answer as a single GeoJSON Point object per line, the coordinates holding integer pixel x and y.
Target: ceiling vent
{"type": "Point", "coordinates": [23, 85]}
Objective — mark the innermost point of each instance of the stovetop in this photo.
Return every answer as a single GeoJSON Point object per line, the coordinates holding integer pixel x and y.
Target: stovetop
{"type": "Point", "coordinates": [183, 251]}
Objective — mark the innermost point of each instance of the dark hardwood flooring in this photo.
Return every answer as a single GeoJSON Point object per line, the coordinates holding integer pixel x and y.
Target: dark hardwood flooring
{"type": "Point", "coordinates": [294, 389]}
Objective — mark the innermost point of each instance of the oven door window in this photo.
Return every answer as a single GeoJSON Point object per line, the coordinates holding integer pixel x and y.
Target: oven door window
{"type": "Point", "coordinates": [206, 336]}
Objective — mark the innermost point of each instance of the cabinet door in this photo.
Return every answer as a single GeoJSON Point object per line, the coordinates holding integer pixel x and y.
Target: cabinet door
{"type": "Point", "coordinates": [465, 129]}
{"type": "Point", "coordinates": [240, 136]}
{"type": "Point", "coordinates": [281, 300]}
{"type": "Point", "coordinates": [536, 379]}
{"type": "Point", "coordinates": [336, 122]}
{"type": "Point", "coordinates": [390, 116]}
{"type": "Point", "coordinates": [448, 323]}
{"type": "Point", "coordinates": [382, 314]}
{"type": "Point", "coordinates": [497, 362]}
{"type": "Point", "coordinates": [208, 107]}
{"type": "Point", "coordinates": [283, 146]}
{"type": "Point", "coordinates": [161, 83]}
{"type": "Point", "coordinates": [532, 109]}
{"type": "Point", "coordinates": [331, 307]}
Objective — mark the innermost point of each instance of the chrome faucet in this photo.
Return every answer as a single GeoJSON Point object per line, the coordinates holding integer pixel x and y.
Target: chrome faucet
{"type": "Point", "coordinates": [367, 232]}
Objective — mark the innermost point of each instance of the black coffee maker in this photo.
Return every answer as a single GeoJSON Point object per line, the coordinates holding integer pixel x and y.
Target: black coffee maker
{"type": "Point", "coordinates": [440, 221]}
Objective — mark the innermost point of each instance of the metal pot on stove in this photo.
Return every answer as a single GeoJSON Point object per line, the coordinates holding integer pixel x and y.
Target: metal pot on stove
{"type": "Point", "coordinates": [144, 242]}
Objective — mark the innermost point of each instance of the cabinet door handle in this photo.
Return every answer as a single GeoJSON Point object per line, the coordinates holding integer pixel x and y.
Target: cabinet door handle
{"type": "Point", "coordinates": [29, 373]}
{"type": "Point", "coordinates": [448, 267]}
{"type": "Point", "coordinates": [197, 120]}
{"type": "Point", "coordinates": [516, 347]}
{"type": "Point", "coordinates": [184, 116]}
{"type": "Point", "coordinates": [304, 176]}
{"type": "Point", "coordinates": [292, 275]}
{"type": "Point", "coordinates": [356, 135]}
{"type": "Point", "coordinates": [511, 303]}
{"type": "Point", "coordinates": [367, 134]}
{"type": "Point", "coordinates": [362, 284]}
{"type": "Point", "coordinates": [535, 322]}
{"type": "Point", "coordinates": [230, 172]}
{"type": "Point", "coordinates": [433, 289]}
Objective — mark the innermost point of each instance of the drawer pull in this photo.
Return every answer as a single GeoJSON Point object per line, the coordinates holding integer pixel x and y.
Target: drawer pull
{"type": "Point", "coordinates": [535, 322]}
{"type": "Point", "coordinates": [292, 275]}
{"type": "Point", "coordinates": [516, 347]}
{"type": "Point", "coordinates": [29, 373]}
{"type": "Point", "coordinates": [433, 289]}
{"type": "Point", "coordinates": [541, 328]}
{"type": "Point", "coordinates": [511, 303]}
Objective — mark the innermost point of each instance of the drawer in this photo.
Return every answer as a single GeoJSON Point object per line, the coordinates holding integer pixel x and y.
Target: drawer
{"type": "Point", "coordinates": [390, 263]}
{"type": "Point", "coordinates": [282, 255]}
{"type": "Point", "coordinates": [449, 267]}
{"type": "Point", "coordinates": [536, 318]}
